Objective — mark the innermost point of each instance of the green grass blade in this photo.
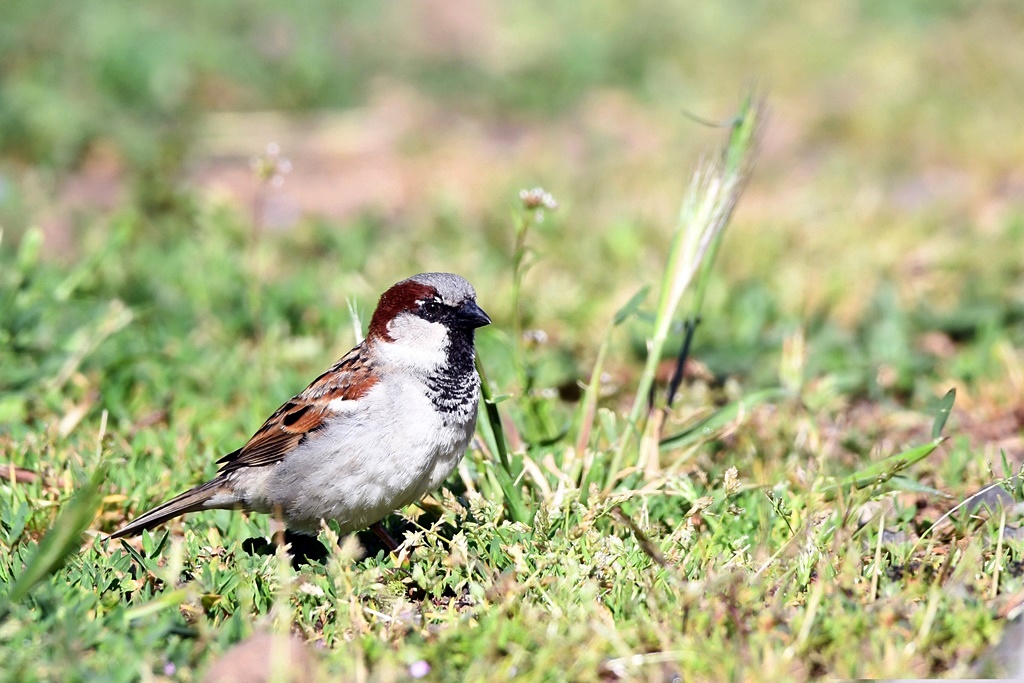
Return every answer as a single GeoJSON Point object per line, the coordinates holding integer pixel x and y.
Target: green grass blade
{"type": "Point", "coordinates": [631, 306]}
{"type": "Point", "coordinates": [588, 406]}
{"type": "Point", "coordinates": [886, 469]}
{"type": "Point", "coordinates": [134, 553]}
{"type": "Point", "coordinates": [494, 435]}
{"type": "Point", "coordinates": [945, 408]}
{"type": "Point", "coordinates": [517, 508]}
{"type": "Point", "coordinates": [493, 419]}
{"type": "Point", "coordinates": [63, 539]}
{"type": "Point", "coordinates": [901, 483]}
{"type": "Point", "coordinates": [721, 418]}
{"type": "Point", "coordinates": [160, 603]}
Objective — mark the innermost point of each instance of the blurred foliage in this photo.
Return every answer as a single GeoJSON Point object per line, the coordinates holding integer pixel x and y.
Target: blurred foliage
{"type": "Point", "coordinates": [76, 74]}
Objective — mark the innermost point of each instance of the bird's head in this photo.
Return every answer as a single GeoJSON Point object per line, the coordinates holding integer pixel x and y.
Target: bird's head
{"type": "Point", "coordinates": [427, 316]}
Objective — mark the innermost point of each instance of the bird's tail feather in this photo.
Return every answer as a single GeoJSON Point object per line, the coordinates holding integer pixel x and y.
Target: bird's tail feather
{"type": "Point", "coordinates": [192, 500]}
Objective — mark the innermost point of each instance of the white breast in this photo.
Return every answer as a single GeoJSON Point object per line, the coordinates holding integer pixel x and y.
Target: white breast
{"type": "Point", "coordinates": [377, 454]}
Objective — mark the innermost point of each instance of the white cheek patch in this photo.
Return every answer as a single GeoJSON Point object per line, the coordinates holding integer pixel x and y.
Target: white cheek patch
{"type": "Point", "coordinates": [417, 343]}
{"type": "Point", "coordinates": [409, 327]}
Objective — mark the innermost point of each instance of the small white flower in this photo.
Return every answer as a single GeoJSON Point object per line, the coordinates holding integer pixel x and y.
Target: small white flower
{"type": "Point", "coordinates": [271, 167]}
{"type": "Point", "coordinates": [538, 198]}
{"type": "Point", "coordinates": [535, 337]}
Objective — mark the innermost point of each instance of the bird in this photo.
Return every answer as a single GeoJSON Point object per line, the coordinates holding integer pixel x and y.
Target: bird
{"type": "Point", "coordinates": [383, 426]}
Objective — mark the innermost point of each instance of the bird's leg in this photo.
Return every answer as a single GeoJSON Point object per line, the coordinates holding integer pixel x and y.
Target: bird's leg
{"type": "Point", "coordinates": [277, 527]}
{"type": "Point", "coordinates": [384, 536]}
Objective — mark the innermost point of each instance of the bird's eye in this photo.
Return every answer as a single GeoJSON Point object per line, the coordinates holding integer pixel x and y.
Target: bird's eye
{"type": "Point", "coordinates": [432, 306]}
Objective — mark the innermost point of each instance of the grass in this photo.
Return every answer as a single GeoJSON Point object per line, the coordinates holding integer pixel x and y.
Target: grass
{"type": "Point", "coordinates": [802, 509]}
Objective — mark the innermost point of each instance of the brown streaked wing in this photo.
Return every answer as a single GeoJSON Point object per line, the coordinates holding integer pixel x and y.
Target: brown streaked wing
{"type": "Point", "coordinates": [304, 415]}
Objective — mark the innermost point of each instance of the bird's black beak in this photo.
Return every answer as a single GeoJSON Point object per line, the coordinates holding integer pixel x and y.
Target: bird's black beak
{"type": "Point", "coordinates": [472, 316]}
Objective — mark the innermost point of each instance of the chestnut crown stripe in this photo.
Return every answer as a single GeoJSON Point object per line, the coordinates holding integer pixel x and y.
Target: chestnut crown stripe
{"type": "Point", "coordinates": [402, 297]}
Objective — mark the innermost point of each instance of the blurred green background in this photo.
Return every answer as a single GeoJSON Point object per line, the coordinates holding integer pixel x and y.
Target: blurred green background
{"type": "Point", "coordinates": [888, 189]}
{"type": "Point", "coordinates": [894, 145]}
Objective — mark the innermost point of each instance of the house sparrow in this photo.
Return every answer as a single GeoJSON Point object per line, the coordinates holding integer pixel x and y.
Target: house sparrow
{"type": "Point", "coordinates": [383, 426]}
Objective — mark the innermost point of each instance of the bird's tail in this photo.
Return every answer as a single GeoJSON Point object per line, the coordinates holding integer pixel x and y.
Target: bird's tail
{"type": "Point", "coordinates": [193, 500]}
